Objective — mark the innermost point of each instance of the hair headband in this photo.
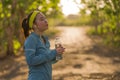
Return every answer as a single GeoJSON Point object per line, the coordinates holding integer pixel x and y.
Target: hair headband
{"type": "Point", "coordinates": [32, 17]}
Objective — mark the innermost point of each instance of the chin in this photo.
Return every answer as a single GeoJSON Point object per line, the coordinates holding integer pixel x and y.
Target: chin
{"type": "Point", "coordinates": [46, 29]}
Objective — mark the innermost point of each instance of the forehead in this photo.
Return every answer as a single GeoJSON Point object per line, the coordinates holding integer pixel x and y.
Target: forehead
{"type": "Point", "coordinates": [40, 15]}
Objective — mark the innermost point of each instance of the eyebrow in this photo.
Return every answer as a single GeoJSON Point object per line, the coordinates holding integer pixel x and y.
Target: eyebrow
{"type": "Point", "coordinates": [42, 17]}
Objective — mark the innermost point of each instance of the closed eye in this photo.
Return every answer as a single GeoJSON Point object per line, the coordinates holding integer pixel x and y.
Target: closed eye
{"type": "Point", "coordinates": [42, 19]}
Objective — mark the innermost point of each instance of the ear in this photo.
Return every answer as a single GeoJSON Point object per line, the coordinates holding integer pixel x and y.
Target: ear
{"type": "Point", "coordinates": [34, 26]}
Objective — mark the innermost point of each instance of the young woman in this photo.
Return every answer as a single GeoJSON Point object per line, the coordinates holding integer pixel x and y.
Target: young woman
{"type": "Point", "coordinates": [38, 55]}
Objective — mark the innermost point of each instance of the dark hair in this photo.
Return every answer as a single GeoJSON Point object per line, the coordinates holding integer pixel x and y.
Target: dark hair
{"type": "Point", "coordinates": [25, 25]}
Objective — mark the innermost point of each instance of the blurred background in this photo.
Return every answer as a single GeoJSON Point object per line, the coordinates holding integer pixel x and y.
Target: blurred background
{"type": "Point", "coordinates": [90, 30]}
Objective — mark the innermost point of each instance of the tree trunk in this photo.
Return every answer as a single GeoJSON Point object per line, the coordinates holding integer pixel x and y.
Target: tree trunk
{"type": "Point", "coordinates": [10, 30]}
{"type": "Point", "coordinates": [9, 35]}
{"type": "Point", "coordinates": [21, 32]}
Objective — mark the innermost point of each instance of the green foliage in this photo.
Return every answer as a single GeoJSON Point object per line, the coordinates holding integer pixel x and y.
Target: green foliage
{"type": "Point", "coordinates": [75, 20]}
{"type": "Point", "coordinates": [16, 45]}
{"type": "Point", "coordinates": [105, 15]}
{"type": "Point", "coordinates": [49, 8]}
{"type": "Point", "coordinates": [12, 13]}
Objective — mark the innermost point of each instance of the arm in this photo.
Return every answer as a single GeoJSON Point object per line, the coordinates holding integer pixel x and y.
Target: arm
{"type": "Point", "coordinates": [54, 60]}
{"type": "Point", "coordinates": [32, 59]}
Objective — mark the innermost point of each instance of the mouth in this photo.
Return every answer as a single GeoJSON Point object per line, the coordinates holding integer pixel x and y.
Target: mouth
{"type": "Point", "coordinates": [47, 25]}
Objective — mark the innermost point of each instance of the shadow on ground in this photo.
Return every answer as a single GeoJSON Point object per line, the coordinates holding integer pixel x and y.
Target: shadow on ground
{"type": "Point", "coordinates": [84, 59]}
{"type": "Point", "coordinates": [13, 68]}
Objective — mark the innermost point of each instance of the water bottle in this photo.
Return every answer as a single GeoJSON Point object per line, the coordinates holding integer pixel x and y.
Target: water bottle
{"type": "Point", "coordinates": [57, 45]}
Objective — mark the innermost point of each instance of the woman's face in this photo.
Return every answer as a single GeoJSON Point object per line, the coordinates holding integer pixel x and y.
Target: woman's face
{"type": "Point", "coordinates": [41, 22]}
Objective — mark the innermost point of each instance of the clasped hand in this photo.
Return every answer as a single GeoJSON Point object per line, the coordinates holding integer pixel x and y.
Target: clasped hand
{"type": "Point", "coordinates": [60, 49]}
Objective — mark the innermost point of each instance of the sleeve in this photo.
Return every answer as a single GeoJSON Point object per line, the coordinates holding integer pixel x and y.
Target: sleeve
{"type": "Point", "coordinates": [32, 59]}
{"type": "Point", "coordinates": [54, 60]}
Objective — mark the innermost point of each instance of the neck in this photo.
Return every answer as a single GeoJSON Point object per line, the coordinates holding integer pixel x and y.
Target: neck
{"type": "Point", "coordinates": [38, 32]}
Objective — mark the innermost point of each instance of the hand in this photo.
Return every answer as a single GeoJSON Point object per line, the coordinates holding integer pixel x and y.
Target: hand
{"type": "Point", "coordinates": [60, 50]}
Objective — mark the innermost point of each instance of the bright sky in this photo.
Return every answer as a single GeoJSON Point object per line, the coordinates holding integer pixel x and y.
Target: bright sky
{"type": "Point", "coordinates": [69, 7]}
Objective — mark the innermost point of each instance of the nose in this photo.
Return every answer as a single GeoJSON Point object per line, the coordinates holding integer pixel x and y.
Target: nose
{"type": "Point", "coordinates": [46, 21]}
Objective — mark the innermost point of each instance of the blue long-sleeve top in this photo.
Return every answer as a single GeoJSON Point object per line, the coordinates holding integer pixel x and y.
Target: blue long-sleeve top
{"type": "Point", "coordinates": [39, 57]}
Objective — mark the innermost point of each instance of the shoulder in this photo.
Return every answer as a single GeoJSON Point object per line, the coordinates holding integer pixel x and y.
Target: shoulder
{"type": "Point", "coordinates": [30, 39]}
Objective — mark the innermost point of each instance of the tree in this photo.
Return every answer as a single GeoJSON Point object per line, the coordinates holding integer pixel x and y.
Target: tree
{"type": "Point", "coordinates": [105, 15]}
{"type": "Point", "coordinates": [12, 13]}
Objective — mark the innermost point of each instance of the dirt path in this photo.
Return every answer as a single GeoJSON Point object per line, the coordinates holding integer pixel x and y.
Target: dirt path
{"type": "Point", "coordinates": [84, 57]}
{"type": "Point", "coordinates": [83, 60]}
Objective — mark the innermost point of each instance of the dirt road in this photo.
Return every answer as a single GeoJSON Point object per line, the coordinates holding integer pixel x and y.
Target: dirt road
{"type": "Point", "coordinates": [84, 59]}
